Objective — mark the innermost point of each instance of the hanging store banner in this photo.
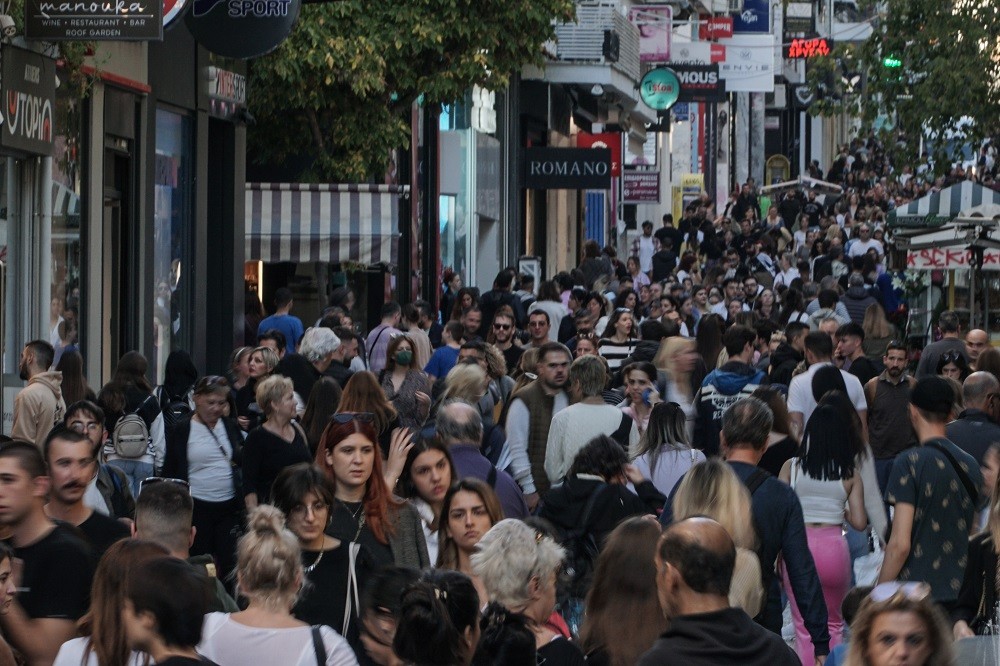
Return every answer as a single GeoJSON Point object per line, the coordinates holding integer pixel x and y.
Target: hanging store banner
{"type": "Point", "coordinates": [799, 18]}
{"type": "Point", "coordinates": [700, 83]}
{"type": "Point", "coordinates": [755, 17]}
{"type": "Point", "coordinates": [29, 92]}
{"type": "Point", "coordinates": [655, 23]}
{"type": "Point", "coordinates": [93, 20]}
{"type": "Point", "coordinates": [659, 88]}
{"type": "Point", "coordinates": [242, 28]}
{"type": "Point", "coordinates": [567, 168]}
{"type": "Point", "coordinates": [749, 64]}
{"type": "Point", "coordinates": [936, 258]}
{"type": "Point", "coordinates": [641, 187]}
{"type": "Point", "coordinates": [609, 140]}
{"type": "Point", "coordinates": [715, 27]}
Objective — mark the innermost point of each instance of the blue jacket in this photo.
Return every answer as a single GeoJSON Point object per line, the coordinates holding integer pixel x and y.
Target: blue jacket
{"type": "Point", "coordinates": [720, 389]}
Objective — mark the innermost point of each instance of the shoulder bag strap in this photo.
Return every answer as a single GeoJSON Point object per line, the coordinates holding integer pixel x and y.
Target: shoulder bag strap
{"type": "Point", "coordinates": [302, 433]}
{"type": "Point", "coordinates": [794, 473]}
{"type": "Point", "coordinates": [588, 508]}
{"type": "Point", "coordinates": [318, 646]}
{"type": "Point", "coordinates": [962, 476]}
{"type": "Point", "coordinates": [352, 603]}
{"type": "Point", "coordinates": [378, 337]}
{"type": "Point", "coordinates": [756, 480]}
{"type": "Point", "coordinates": [621, 435]}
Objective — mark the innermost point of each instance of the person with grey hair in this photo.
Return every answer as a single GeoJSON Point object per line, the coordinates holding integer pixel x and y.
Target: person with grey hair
{"type": "Point", "coordinates": [951, 341]}
{"type": "Point", "coordinates": [976, 428]}
{"type": "Point", "coordinates": [590, 416]}
{"type": "Point", "coordinates": [315, 354]}
{"type": "Point", "coordinates": [460, 427]}
{"type": "Point", "coordinates": [518, 566]}
{"type": "Point", "coordinates": [857, 298]}
{"type": "Point", "coordinates": [777, 516]}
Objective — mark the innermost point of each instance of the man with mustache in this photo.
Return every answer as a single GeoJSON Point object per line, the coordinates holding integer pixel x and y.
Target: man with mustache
{"type": "Point", "coordinates": [72, 464]}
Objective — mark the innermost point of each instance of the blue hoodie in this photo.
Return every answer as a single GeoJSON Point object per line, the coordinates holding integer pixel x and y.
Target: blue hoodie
{"type": "Point", "coordinates": [721, 388]}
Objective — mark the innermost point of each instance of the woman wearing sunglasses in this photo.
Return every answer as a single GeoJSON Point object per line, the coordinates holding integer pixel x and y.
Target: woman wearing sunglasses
{"type": "Point", "coordinates": [899, 624]}
{"type": "Point", "coordinates": [206, 450]}
{"type": "Point", "coordinates": [388, 529]}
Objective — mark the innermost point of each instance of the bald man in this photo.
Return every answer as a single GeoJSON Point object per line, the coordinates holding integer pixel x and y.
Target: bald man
{"type": "Point", "coordinates": [694, 567]}
{"type": "Point", "coordinates": [976, 428]}
{"type": "Point", "coordinates": [976, 341]}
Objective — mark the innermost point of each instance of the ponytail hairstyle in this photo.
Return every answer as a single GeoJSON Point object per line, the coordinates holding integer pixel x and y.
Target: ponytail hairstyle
{"type": "Point", "coordinates": [506, 639]}
{"type": "Point", "coordinates": [435, 614]}
{"type": "Point", "coordinates": [269, 560]}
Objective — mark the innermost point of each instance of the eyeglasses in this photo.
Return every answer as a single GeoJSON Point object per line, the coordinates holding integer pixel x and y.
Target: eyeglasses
{"type": "Point", "coordinates": [85, 426]}
{"type": "Point", "coordinates": [300, 510]}
{"type": "Point", "coordinates": [347, 417]}
{"type": "Point", "coordinates": [153, 480]}
{"type": "Point", "coordinates": [622, 310]}
{"type": "Point", "coordinates": [915, 591]}
{"type": "Point", "coordinates": [206, 384]}
{"type": "Point", "coordinates": [501, 327]}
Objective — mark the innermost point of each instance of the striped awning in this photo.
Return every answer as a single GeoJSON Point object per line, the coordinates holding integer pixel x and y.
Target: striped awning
{"type": "Point", "coordinates": [303, 222]}
{"type": "Point", "coordinates": [939, 207]}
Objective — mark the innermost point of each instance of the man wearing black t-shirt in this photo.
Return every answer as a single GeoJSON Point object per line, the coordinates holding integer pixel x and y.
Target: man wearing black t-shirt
{"type": "Point", "coordinates": [57, 565]}
{"type": "Point", "coordinates": [72, 463]}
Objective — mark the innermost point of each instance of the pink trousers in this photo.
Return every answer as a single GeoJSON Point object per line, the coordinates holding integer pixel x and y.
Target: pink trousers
{"type": "Point", "coordinates": [833, 564]}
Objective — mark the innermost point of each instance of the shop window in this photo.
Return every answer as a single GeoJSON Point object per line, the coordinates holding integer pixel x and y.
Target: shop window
{"type": "Point", "coordinates": [172, 234]}
{"type": "Point", "coordinates": [64, 322]}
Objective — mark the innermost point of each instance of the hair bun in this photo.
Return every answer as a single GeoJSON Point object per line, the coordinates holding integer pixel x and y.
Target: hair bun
{"type": "Point", "coordinates": [266, 520]}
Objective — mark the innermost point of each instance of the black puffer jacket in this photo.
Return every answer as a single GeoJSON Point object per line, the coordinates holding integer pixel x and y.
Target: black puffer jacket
{"type": "Point", "coordinates": [783, 362]}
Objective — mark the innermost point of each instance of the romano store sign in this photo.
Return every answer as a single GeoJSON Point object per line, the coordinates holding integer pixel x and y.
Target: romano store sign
{"type": "Point", "coordinates": [567, 168]}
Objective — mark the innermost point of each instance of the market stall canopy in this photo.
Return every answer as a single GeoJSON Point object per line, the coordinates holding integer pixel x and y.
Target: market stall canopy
{"type": "Point", "coordinates": [336, 223]}
{"type": "Point", "coordinates": [989, 211]}
{"type": "Point", "coordinates": [938, 208]}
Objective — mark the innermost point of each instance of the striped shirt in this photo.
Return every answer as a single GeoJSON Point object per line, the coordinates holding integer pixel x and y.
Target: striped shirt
{"type": "Point", "coordinates": [616, 352]}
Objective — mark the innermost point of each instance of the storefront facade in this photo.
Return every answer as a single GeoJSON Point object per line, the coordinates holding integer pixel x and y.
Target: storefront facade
{"type": "Point", "coordinates": [105, 229]}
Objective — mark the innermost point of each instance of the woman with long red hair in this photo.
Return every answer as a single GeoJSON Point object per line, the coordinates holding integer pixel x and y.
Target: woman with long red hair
{"type": "Point", "coordinates": [365, 511]}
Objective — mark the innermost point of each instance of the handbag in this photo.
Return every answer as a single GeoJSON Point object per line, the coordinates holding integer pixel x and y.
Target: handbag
{"type": "Point", "coordinates": [985, 622]}
{"type": "Point", "coordinates": [867, 567]}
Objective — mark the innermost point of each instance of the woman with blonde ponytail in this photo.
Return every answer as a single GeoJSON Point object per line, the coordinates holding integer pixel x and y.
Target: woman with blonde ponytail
{"type": "Point", "coordinates": [269, 576]}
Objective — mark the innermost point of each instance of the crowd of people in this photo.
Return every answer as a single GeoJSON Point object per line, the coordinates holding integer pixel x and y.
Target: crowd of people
{"type": "Point", "coordinates": [663, 460]}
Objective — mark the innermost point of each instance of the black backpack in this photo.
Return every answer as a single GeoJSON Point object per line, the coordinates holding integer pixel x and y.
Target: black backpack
{"type": "Point", "coordinates": [174, 410]}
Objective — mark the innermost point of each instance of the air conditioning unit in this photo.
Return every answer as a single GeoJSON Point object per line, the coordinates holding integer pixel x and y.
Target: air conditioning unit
{"type": "Point", "coordinates": [777, 99]}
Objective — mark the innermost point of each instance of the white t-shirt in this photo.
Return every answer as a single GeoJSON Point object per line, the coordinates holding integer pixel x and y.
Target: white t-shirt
{"type": "Point", "coordinates": [229, 643]}
{"type": "Point", "coordinates": [859, 248]}
{"type": "Point", "coordinates": [71, 654]}
{"type": "Point", "coordinates": [209, 471]}
{"type": "Point", "coordinates": [646, 251]}
{"type": "Point", "coordinates": [800, 397]}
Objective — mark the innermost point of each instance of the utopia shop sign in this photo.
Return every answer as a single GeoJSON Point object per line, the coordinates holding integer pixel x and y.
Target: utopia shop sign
{"type": "Point", "coordinates": [97, 20]}
{"type": "Point", "coordinates": [29, 85]}
{"type": "Point", "coordinates": [567, 168]}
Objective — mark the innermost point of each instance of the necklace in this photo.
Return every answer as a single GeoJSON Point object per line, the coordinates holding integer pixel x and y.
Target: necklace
{"type": "Point", "coordinates": [312, 566]}
{"type": "Point", "coordinates": [358, 516]}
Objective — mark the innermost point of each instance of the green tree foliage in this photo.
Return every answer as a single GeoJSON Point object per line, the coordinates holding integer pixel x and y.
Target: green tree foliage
{"type": "Point", "coordinates": [339, 90]}
{"type": "Point", "coordinates": [948, 54]}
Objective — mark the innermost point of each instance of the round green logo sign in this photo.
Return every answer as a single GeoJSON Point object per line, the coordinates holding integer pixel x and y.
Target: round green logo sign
{"type": "Point", "coordinates": [660, 88]}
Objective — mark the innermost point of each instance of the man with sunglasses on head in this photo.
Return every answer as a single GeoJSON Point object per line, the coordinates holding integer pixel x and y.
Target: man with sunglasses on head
{"type": "Point", "coordinates": [54, 585]}
{"type": "Point", "coordinates": [163, 515]}
{"type": "Point", "coordinates": [72, 464]}
{"type": "Point", "coordinates": [109, 492]}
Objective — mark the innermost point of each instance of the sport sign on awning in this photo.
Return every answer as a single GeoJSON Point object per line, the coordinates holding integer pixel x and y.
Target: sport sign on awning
{"type": "Point", "coordinates": [937, 258]}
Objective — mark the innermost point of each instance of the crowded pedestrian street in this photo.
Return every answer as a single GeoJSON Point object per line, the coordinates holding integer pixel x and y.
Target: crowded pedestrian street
{"type": "Point", "coordinates": [479, 333]}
